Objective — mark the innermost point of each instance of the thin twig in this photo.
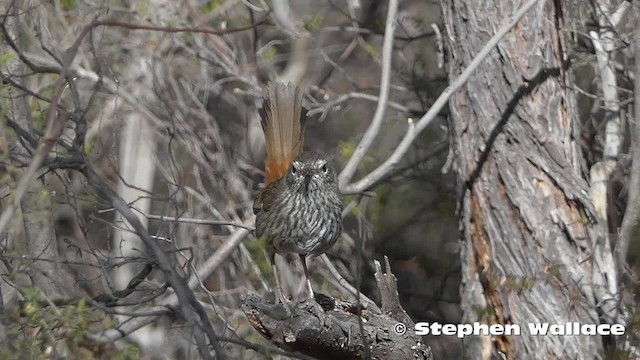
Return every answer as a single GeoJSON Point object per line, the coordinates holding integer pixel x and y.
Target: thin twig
{"type": "Point", "coordinates": [373, 130]}
{"type": "Point", "coordinates": [345, 284]}
{"type": "Point", "coordinates": [57, 119]}
{"type": "Point", "coordinates": [194, 221]}
{"type": "Point", "coordinates": [604, 265]}
{"type": "Point", "coordinates": [168, 29]}
{"type": "Point", "coordinates": [203, 272]}
{"type": "Point", "coordinates": [325, 108]}
{"type": "Point", "coordinates": [414, 129]}
{"type": "Point", "coordinates": [221, 254]}
{"type": "Point", "coordinates": [189, 305]}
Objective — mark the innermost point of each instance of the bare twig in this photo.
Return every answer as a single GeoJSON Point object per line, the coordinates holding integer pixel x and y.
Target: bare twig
{"type": "Point", "coordinates": [605, 267]}
{"type": "Point", "coordinates": [613, 137]}
{"type": "Point", "coordinates": [325, 108]}
{"type": "Point", "coordinates": [57, 119]}
{"type": "Point", "coordinates": [221, 254]}
{"type": "Point", "coordinates": [440, 44]}
{"type": "Point", "coordinates": [195, 221]}
{"type": "Point", "coordinates": [620, 16]}
{"type": "Point", "coordinates": [55, 124]}
{"type": "Point", "coordinates": [203, 272]}
{"type": "Point", "coordinates": [414, 129]}
{"type": "Point", "coordinates": [191, 308]}
{"type": "Point", "coordinates": [385, 78]}
{"type": "Point", "coordinates": [632, 213]}
{"type": "Point", "coordinates": [345, 284]}
{"type": "Point", "coordinates": [298, 62]}
{"type": "Point", "coordinates": [168, 29]}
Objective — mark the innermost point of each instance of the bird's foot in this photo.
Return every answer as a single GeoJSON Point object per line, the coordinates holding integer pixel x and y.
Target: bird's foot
{"type": "Point", "coordinates": [317, 310]}
{"type": "Point", "coordinates": [282, 307]}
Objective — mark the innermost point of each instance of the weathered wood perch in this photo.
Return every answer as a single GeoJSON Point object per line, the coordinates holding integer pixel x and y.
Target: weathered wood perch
{"type": "Point", "coordinates": [331, 330]}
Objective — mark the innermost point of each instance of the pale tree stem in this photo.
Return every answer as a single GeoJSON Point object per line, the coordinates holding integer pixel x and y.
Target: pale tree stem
{"type": "Point", "coordinates": [414, 129]}
{"type": "Point", "coordinates": [632, 213]}
{"type": "Point", "coordinates": [385, 79]}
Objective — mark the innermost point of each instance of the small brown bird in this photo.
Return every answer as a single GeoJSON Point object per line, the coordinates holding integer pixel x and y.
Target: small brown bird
{"type": "Point", "coordinates": [300, 209]}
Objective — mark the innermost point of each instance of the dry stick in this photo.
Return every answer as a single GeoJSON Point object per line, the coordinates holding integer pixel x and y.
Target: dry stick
{"type": "Point", "coordinates": [345, 284]}
{"type": "Point", "coordinates": [191, 308]}
{"type": "Point", "coordinates": [55, 124]}
{"type": "Point", "coordinates": [605, 267]}
{"type": "Point", "coordinates": [632, 213]}
{"type": "Point", "coordinates": [203, 272]}
{"type": "Point", "coordinates": [204, 30]}
{"type": "Point", "coordinates": [213, 262]}
{"type": "Point", "coordinates": [414, 129]}
{"type": "Point", "coordinates": [326, 107]}
{"type": "Point", "coordinates": [195, 221]}
{"type": "Point", "coordinates": [373, 130]}
{"type": "Point", "coordinates": [603, 44]}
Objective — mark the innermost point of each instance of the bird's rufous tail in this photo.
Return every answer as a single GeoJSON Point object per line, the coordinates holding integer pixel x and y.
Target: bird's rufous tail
{"type": "Point", "coordinates": [282, 117]}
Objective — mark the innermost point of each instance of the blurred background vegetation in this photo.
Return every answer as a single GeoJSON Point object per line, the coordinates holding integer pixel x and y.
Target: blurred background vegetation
{"type": "Point", "coordinates": [170, 120]}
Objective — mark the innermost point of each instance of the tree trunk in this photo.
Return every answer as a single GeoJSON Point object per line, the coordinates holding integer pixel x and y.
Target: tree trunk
{"type": "Point", "coordinates": [528, 220]}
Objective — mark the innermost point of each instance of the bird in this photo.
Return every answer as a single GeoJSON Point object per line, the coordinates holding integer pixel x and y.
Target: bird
{"type": "Point", "coordinates": [300, 209]}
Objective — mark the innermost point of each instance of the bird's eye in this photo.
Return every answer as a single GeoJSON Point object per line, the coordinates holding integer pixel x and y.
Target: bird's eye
{"type": "Point", "coordinates": [293, 169]}
{"type": "Point", "coordinates": [324, 168]}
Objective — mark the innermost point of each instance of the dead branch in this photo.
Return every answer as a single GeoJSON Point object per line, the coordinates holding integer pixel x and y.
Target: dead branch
{"type": "Point", "coordinates": [189, 306]}
{"type": "Point", "coordinates": [331, 329]}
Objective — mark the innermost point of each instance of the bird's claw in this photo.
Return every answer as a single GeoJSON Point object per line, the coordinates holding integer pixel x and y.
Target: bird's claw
{"type": "Point", "coordinates": [317, 310]}
{"type": "Point", "coordinates": [282, 307]}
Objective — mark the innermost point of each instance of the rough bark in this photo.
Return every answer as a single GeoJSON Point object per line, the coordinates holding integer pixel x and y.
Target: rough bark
{"type": "Point", "coordinates": [526, 211]}
{"type": "Point", "coordinates": [332, 330]}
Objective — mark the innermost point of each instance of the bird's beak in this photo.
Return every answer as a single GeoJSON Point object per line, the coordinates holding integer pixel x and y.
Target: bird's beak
{"type": "Point", "coordinates": [307, 180]}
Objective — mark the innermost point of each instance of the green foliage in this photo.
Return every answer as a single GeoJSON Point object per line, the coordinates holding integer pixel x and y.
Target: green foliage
{"type": "Point", "coordinates": [380, 203]}
{"type": "Point", "coordinates": [5, 92]}
{"type": "Point", "coordinates": [211, 5]}
{"type": "Point", "coordinates": [269, 54]}
{"type": "Point", "coordinates": [36, 330]}
{"type": "Point", "coordinates": [143, 7]}
{"type": "Point", "coordinates": [314, 23]}
{"type": "Point", "coordinates": [256, 249]}
{"type": "Point", "coordinates": [7, 56]}
{"type": "Point", "coordinates": [347, 148]}
{"type": "Point", "coordinates": [39, 121]}
{"type": "Point", "coordinates": [378, 25]}
{"type": "Point", "coordinates": [67, 5]}
{"type": "Point", "coordinates": [519, 284]}
{"type": "Point", "coordinates": [483, 312]}
{"type": "Point", "coordinates": [88, 147]}
{"type": "Point", "coordinates": [373, 51]}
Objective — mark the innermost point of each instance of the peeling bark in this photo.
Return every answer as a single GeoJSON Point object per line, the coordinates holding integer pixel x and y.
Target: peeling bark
{"type": "Point", "coordinates": [527, 216]}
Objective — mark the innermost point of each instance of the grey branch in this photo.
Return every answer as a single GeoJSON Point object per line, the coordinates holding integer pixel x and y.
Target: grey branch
{"type": "Point", "coordinates": [376, 123]}
{"type": "Point", "coordinates": [189, 306]}
{"type": "Point", "coordinates": [334, 331]}
{"type": "Point", "coordinates": [414, 129]}
{"type": "Point", "coordinates": [632, 213]}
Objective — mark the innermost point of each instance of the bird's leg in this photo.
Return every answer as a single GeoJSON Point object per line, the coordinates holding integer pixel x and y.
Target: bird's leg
{"type": "Point", "coordinates": [316, 308]}
{"type": "Point", "coordinates": [279, 295]}
{"type": "Point", "coordinates": [306, 275]}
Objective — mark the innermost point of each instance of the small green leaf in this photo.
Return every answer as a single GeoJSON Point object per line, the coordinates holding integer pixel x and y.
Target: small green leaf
{"type": "Point", "coordinates": [314, 23]}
